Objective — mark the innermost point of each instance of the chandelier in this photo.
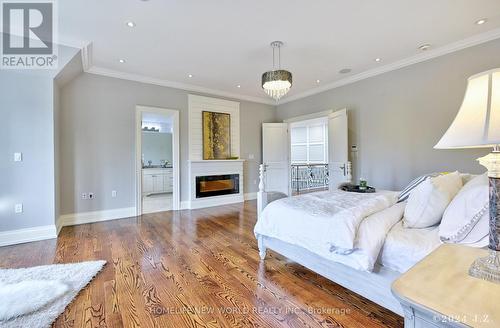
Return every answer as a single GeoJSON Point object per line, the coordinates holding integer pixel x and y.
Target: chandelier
{"type": "Point", "coordinates": [277, 83]}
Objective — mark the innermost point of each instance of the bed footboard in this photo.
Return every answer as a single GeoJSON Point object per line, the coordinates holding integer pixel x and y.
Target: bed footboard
{"type": "Point", "coordinates": [375, 286]}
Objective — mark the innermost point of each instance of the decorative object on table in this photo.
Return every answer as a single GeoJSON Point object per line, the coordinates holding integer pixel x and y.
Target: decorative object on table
{"type": "Point", "coordinates": [38, 307]}
{"type": "Point", "coordinates": [152, 129]}
{"type": "Point", "coordinates": [477, 125]}
{"type": "Point", "coordinates": [363, 184]}
{"type": "Point", "coordinates": [354, 188]}
{"type": "Point", "coordinates": [277, 83]}
{"type": "Point", "coordinates": [216, 135]}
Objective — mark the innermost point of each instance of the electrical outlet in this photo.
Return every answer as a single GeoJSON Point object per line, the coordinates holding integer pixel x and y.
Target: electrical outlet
{"type": "Point", "coordinates": [113, 193]}
{"type": "Point", "coordinates": [18, 157]}
{"type": "Point", "coordinates": [91, 195]}
{"type": "Point", "coordinates": [18, 208]}
{"type": "Point", "coordinates": [84, 195]}
{"type": "Point", "coordinates": [251, 156]}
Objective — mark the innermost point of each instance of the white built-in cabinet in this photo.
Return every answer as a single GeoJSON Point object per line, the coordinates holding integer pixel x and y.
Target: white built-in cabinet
{"type": "Point", "coordinates": [156, 181]}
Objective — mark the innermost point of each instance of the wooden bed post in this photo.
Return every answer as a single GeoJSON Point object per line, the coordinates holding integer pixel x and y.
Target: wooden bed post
{"type": "Point", "coordinates": [261, 195]}
{"type": "Point", "coordinates": [349, 172]}
{"type": "Point", "coordinates": [265, 197]}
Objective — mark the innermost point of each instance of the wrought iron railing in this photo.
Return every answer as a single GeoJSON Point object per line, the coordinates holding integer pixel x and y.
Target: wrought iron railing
{"type": "Point", "coordinates": [306, 177]}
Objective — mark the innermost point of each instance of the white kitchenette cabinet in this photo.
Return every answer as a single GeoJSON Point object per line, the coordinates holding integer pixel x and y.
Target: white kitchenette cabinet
{"type": "Point", "coordinates": [157, 180]}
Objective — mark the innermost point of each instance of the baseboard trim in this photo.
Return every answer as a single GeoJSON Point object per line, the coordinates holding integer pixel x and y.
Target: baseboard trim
{"type": "Point", "coordinates": [26, 235]}
{"type": "Point", "coordinates": [95, 216]}
{"type": "Point", "coordinates": [185, 204]}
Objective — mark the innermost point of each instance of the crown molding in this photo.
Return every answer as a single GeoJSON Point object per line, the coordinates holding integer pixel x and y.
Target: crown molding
{"type": "Point", "coordinates": [427, 55]}
{"type": "Point", "coordinates": [176, 85]}
{"type": "Point", "coordinates": [86, 53]}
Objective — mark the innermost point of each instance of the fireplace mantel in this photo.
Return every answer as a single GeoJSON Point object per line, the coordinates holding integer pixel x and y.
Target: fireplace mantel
{"type": "Point", "coordinates": [215, 160]}
{"type": "Point", "coordinates": [197, 166]}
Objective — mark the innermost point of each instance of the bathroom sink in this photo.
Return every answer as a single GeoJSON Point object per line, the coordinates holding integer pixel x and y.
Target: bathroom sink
{"type": "Point", "coordinates": [157, 167]}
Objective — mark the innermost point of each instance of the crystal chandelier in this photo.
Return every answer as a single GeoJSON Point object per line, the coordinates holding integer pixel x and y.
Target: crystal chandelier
{"type": "Point", "coordinates": [277, 83]}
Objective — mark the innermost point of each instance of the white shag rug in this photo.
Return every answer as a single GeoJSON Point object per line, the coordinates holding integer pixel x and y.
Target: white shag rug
{"type": "Point", "coordinates": [35, 297]}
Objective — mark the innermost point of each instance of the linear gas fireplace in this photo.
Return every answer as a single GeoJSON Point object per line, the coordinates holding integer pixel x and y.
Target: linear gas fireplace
{"type": "Point", "coordinates": [217, 185]}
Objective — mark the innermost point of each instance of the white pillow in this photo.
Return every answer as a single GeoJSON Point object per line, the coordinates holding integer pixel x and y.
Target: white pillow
{"type": "Point", "coordinates": [466, 220]}
{"type": "Point", "coordinates": [429, 200]}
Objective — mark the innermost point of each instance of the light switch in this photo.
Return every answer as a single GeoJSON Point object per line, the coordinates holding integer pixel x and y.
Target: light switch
{"type": "Point", "coordinates": [18, 208]}
{"type": "Point", "coordinates": [251, 156]}
{"type": "Point", "coordinates": [113, 193]}
{"type": "Point", "coordinates": [18, 157]}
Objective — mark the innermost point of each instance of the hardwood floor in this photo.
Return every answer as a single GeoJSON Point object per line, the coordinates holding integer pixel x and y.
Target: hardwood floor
{"type": "Point", "coordinates": [195, 268]}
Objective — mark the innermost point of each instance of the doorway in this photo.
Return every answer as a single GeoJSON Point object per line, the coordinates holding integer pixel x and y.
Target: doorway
{"type": "Point", "coordinates": [314, 145]}
{"type": "Point", "coordinates": [309, 155]}
{"type": "Point", "coordinates": [157, 160]}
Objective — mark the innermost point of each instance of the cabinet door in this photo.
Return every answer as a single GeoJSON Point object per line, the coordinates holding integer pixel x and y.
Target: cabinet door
{"type": "Point", "coordinates": [165, 183]}
{"type": "Point", "coordinates": [168, 183]}
{"type": "Point", "coordinates": [158, 183]}
{"type": "Point", "coordinates": [147, 184]}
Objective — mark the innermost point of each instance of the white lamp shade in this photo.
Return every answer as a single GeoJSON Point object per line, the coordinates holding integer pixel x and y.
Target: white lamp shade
{"type": "Point", "coordinates": [477, 123]}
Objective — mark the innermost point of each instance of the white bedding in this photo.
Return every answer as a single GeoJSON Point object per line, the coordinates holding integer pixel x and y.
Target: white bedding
{"type": "Point", "coordinates": [349, 228]}
{"type": "Point", "coordinates": [404, 247]}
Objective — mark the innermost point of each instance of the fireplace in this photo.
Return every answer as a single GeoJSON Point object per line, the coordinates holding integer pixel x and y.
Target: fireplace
{"type": "Point", "coordinates": [217, 185]}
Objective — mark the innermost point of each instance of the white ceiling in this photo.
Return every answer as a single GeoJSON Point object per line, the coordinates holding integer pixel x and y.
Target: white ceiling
{"type": "Point", "coordinates": [225, 43]}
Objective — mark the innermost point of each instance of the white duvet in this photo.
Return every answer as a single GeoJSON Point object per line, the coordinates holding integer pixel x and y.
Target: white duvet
{"type": "Point", "coordinates": [349, 228]}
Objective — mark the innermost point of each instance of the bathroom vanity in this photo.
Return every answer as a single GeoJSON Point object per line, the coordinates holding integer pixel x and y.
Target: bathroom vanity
{"type": "Point", "coordinates": [157, 180]}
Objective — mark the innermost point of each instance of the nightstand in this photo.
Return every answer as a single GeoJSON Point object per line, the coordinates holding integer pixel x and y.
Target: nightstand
{"type": "Point", "coordinates": [438, 291]}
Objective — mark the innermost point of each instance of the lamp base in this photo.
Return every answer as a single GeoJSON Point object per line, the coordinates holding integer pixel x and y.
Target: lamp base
{"type": "Point", "coordinates": [487, 268]}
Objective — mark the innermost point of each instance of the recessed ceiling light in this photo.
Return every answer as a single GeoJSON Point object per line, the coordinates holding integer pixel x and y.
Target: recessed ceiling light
{"type": "Point", "coordinates": [318, 81]}
{"type": "Point", "coordinates": [425, 47]}
{"type": "Point", "coordinates": [190, 75]}
{"type": "Point", "coordinates": [345, 71]}
{"type": "Point", "coordinates": [130, 24]}
{"type": "Point", "coordinates": [377, 59]}
{"type": "Point", "coordinates": [481, 21]}
{"type": "Point", "coordinates": [238, 86]}
{"type": "Point", "coordinates": [122, 61]}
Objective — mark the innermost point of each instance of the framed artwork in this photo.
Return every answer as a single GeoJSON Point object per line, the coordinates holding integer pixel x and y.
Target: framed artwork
{"type": "Point", "coordinates": [216, 135]}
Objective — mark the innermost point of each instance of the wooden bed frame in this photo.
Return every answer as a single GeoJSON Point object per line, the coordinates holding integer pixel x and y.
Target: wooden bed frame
{"type": "Point", "coordinates": [375, 286]}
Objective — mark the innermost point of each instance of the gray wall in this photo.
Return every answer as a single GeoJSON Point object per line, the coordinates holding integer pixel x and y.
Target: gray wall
{"type": "Point", "coordinates": [98, 139]}
{"type": "Point", "coordinates": [26, 109]}
{"type": "Point", "coordinates": [29, 100]}
{"type": "Point", "coordinates": [157, 147]}
{"type": "Point", "coordinates": [396, 118]}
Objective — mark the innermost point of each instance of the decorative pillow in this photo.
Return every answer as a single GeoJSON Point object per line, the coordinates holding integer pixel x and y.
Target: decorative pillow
{"type": "Point", "coordinates": [403, 195]}
{"type": "Point", "coordinates": [466, 219]}
{"type": "Point", "coordinates": [466, 177]}
{"type": "Point", "coordinates": [428, 201]}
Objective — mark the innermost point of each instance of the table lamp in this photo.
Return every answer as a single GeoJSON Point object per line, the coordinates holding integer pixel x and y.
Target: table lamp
{"type": "Point", "coordinates": [477, 125]}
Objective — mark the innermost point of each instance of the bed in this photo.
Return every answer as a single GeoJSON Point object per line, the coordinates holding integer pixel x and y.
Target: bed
{"type": "Point", "coordinates": [370, 250]}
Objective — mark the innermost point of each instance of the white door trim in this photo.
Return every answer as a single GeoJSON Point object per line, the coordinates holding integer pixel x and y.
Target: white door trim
{"type": "Point", "coordinates": [139, 109]}
{"type": "Point", "coordinates": [308, 117]}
